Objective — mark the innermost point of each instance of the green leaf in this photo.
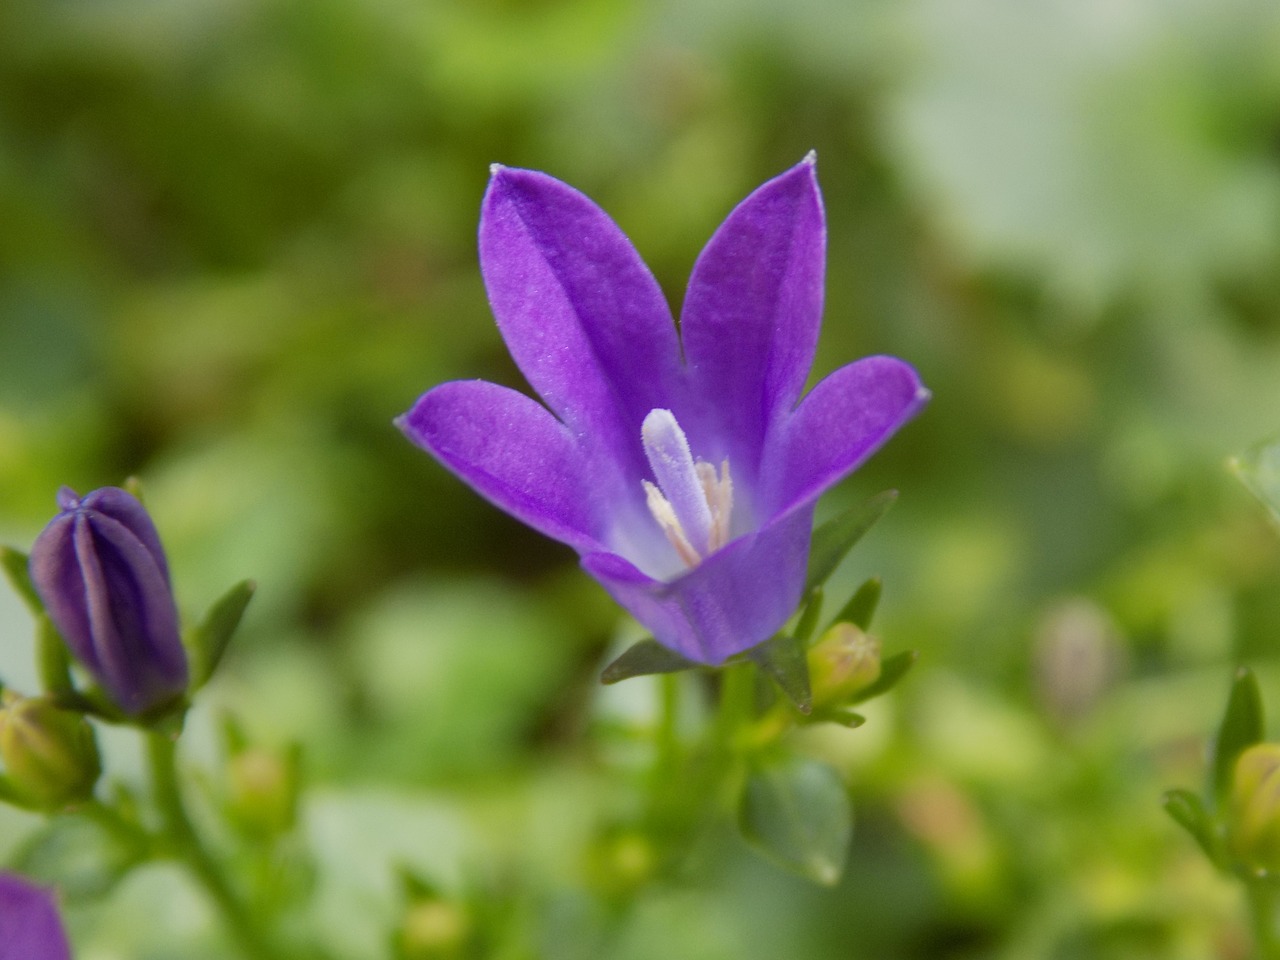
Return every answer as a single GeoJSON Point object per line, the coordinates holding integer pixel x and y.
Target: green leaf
{"type": "Point", "coordinates": [891, 671]}
{"type": "Point", "coordinates": [784, 659]}
{"type": "Point", "coordinates": [52, 658]}
{"type": "Point", "coordinates": [1259, 470]}
{"type": "Point", "coordinates": [862, 605]}
{"type": "Point", "coordinates": [836, 537]}
{"type": "Point", "coordinates": [208, 641]}
{"type": "Point", "coordinates": [14, 563]}
{"type": "Point", "coordinates": [1242, 726]}
{"type": "Point", "coordinates": [796, 812]}
{"type": "Point", "coordinates": [81, 856]}
{"type": "Point", "coordinates": [644, 658]}
{"type": "Point", "coordinates": [1188, 810]}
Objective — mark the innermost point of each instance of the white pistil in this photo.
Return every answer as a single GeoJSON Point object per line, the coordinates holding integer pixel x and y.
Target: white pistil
{"type": "Point", "coordinates": [691, 504]}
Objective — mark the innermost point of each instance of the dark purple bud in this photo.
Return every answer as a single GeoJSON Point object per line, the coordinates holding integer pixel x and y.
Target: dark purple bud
{"type": "Point", "coordinates": [101, 572]}
{"type": "Point", "coordinates": [30, 928]}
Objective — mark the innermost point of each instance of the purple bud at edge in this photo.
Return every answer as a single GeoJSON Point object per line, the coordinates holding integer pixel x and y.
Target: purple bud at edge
{"type": "Point", "coordinates": [29, 925]}
{"type": "Point", "coordinates": [102, 574]}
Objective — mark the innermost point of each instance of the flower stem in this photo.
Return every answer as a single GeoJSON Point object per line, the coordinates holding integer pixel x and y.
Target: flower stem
{"type": "Point", "coordinates": [668, 742]}
{"type": "Point", "coordinates": [186, 846]}
{"type": "Point", "coordinates": [1264, 908]}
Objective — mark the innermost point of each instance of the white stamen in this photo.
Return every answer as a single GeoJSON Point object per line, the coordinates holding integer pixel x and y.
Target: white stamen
{"type": "Point", "coordinates": [690, 502]}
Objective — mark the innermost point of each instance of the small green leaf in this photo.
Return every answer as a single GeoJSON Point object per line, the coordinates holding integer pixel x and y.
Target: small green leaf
{"type": "Point", "coordinates": [796, 812]}
{"type": "Point", "coordinates": [809, 616]}
{"type": "Point", "coordinates": [862, 605]}
{"type": "Point", "coordinates": [644, 658]}
{"type": "Point", "coordinates": [1259, 470]}
{"type": "Point", "coordinates": [1188, 810]}
{"type": "Point", "coordinates": [784, 659]}
{"type": "Point", "coordinates": [836, 537]}
{"type": "Point", "coordinates": [891, 671]}
{"type": "Point", "coordinates": [14, 563]}
{"type": "Point", "coordinates": [1242, 726]}
{"type": "Point", "coordinates": [81, 856]}
{"type": "Point", "coordinates": [52, 658]}
{"type": "Point", "coordinates": [209, 641]}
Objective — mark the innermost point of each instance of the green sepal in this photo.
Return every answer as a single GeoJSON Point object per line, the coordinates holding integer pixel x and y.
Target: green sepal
{"type": "Point", "coordinates": [53, 659]}
{"type": "Point", "coordinates": [861, 607]}
{"type": "Point", "coordinates": [645, 658]}
{"type": "Point", "coordinates": [209, 640]}
{"type": "Point", "coordinates": [891, 671]}
{"type": "Point", "coordinates": [836, 537]}
{"type": "Point", "coordinates": [1242, 726]}
{"type": "Point", "coordinates": [796, 812]}
{"type": "Point", "coordinates": [16, 569]}
{"type": "Point", "coordinates": [1189, 811]}
{"type": "Point", "coordinates": [133, 486]}
{"type": "Point", "coordinates": [8, 794]}
{"type": "Point", "coordinates": [1259, 470]}
{"type": "Point", "coordinates": [808, 621]}
{"type": "Point", "coordinates": [785, 660]}
{"type": "Point", "coordinates": [844, 717]}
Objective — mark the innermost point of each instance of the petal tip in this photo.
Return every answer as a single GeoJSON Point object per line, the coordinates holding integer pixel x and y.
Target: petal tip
{"type": "Point", "coordinates": [810, 158]}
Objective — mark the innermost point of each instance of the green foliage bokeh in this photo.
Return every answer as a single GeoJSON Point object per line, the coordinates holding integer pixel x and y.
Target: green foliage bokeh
{"type": "Point", "coordinates": [237, 238]}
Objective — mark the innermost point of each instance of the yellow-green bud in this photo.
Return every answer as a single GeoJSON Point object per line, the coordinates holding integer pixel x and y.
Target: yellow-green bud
{"type": "Point", "coordinates": [844, 661]}
{"type": "Point", "coordinates": [434, 930]}
{"type": "Point", "coordinates": [50, 755]}
{"type": "Point", "coordinates": [619, 862]}
{"type": "Point", "coordinates": [1255, 808]}
{"type": "Point", "coordinates": [263, 791]}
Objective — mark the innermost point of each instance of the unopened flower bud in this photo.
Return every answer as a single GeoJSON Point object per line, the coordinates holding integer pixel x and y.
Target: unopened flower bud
{"type": "Point", "coordinates": [434, 930]}
{"type": "Point", "coordinates": [844, 661]}
{"type": "Point", "coordinates": [263, 791]}
{"type": "Point", "coordinates": [1254, 826]}
{"type": "Point", "coordinates": [619, 862]}
{"type": "Point", "coordinates": [101, 572]}
{"type": "Point", "coordinates": [50, 755]}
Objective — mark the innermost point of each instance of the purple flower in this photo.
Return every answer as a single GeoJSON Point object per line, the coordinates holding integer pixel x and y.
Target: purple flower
{"type": "Point", "coordinates": [29, 925]}
{"type": "Point", "coordinates": [101, 572]}
{"type": "Point", "coordinates": [683, 468]}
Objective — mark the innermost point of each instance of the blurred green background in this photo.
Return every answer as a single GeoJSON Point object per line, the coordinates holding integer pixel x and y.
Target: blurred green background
{"type": "Point", "coordinates": [238, 237]}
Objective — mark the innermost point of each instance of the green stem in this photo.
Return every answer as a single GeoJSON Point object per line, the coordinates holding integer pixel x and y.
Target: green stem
{"type": "Point", "coordinates": [133, 834]}
{"type": "Point", "coordinates": [1264, 906]}
{"type": "Point", "coordinates": [186, 846]}
{"type": "Point", "coordinates": [667, 755]}
{"type": "Point", "coordinates": [737, 700]}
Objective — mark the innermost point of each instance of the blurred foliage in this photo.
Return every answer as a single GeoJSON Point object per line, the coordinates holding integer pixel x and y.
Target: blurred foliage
{"type": "Point", "coordinates": [237, 238]}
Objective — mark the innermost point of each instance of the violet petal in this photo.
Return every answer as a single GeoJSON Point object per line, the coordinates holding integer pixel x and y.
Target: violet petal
{"type": "Point", "coordinates": [838, 425]}
{"type": "Point", "coordinates": [511, 450]}
{"type": "Point", "coordinates": [738, 597]}
{"type": "Point", "coordinates": [753, 309]}
{"type": "Point", "coordinates": [580, 312]}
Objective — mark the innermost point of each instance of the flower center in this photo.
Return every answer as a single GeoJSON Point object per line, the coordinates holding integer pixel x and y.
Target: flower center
{"type": "Point", "coordinates": [690, 501]}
